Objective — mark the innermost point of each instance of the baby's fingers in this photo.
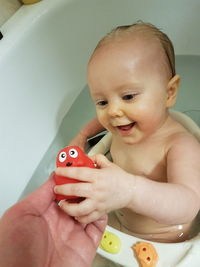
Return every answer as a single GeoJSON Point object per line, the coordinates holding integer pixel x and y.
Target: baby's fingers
{"type": "Point", "coordinates": [77, 209]}
{"type": "Point", "coordinates": [84, 174]}
{"type": "Point", "coordinates": [74, 189]}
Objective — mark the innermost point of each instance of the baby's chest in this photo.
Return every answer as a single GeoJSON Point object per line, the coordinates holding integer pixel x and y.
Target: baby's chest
{"type": "Point", "coordinates": [149, 164]}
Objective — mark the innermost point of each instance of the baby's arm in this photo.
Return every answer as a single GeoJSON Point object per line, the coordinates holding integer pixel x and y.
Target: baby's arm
{"type": "Point", "coordinates": [110, 188]}
{"type": "Point", "coordinates": [177, 201]}
{"type": "Point", "coordinates": [90, 129]}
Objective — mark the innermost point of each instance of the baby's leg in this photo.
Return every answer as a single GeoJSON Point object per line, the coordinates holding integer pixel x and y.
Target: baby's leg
{"type": "Point", "coordinates": [113, 221]}
{"type": "Point", "coordinates": [171, 234]}
{"type": "Point", "coordinates": [99, 261]}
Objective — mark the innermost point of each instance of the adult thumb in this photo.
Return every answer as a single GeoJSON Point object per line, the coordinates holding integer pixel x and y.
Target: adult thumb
{"type": "Point", "coordinates": [41, 198]}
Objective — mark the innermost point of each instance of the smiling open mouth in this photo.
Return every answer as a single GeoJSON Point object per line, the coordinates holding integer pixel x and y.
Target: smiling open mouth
{"type": "Point", "coordinates": [126, 128]}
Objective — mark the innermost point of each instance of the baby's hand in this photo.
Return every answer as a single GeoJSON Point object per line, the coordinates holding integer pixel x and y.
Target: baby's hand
{"type": "Point", "coordinates": [104, 189]}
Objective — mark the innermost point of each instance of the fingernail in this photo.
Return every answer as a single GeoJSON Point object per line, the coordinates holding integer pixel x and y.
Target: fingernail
{"type": "Point", "coordinates": [60, 203]}
{"type": "Point", "coordinates": [55, 189]}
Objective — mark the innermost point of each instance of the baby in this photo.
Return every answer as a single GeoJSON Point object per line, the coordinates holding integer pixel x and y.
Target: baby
{"type": "Point", "coordinates": [153, 183]}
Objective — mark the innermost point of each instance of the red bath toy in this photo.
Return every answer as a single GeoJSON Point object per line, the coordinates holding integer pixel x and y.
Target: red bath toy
{"type": "Point", "coordinates": [71, 156]}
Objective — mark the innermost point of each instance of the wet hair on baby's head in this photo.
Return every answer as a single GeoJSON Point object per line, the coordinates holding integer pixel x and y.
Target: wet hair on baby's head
{"type": "Point", "coordinates": [145, 30]}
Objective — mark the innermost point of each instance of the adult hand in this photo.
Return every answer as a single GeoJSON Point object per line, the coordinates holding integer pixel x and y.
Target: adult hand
{"type": "Point", "coordinates": [37, 233]}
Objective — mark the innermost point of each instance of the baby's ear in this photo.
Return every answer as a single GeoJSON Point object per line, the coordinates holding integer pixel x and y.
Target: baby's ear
{"type": "Point", "coordinates": [172, 90]}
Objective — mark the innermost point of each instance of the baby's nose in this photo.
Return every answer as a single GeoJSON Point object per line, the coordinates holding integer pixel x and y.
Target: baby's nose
{"type": "Point", "coordinates": [115, 110]}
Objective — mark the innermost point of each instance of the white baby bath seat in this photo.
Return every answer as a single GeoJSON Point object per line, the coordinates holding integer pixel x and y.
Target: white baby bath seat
{"type": "Point", "coordinates": [184, 254]}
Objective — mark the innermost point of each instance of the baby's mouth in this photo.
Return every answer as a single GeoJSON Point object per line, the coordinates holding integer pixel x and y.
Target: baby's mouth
{"type": "Point", "coordinates": [126, 128]}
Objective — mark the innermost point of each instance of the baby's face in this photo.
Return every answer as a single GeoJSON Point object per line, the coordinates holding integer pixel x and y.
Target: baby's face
{"type": "Point", "coordinates": [128, 84]}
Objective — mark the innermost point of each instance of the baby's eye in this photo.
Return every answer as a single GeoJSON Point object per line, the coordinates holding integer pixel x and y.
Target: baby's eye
{"type": "Point", "coordinates": [102, 103]}
{"type": "Point", "coordinates": [128, 97]}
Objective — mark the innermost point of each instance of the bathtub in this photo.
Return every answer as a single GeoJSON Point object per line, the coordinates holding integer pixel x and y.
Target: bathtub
{"type": "Point", "coordinates": [44, 98]}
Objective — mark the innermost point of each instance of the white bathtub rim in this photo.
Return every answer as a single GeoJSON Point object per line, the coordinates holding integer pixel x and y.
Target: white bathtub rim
{"type": "Point", "coordinates": [26, 16]}
{"type": "Point", "coordinates": [22, 21]}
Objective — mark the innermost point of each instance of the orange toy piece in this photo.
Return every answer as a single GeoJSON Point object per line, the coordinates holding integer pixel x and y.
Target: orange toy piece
{"type": "Point", "coordinates": [146, 254]}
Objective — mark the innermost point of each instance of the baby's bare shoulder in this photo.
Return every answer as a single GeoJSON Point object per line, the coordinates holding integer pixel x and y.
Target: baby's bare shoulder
{"type": "Point", "coordinates": [183, 146]}
{"type": "Point", "coordinates": [183, 139]}
{"type": "Point", "coordinates": [183, 159]}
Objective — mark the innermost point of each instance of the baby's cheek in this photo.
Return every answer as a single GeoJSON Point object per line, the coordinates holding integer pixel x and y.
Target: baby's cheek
{"type": "Point", "coordinates": [149, 119]}
{"type": "Point", "coordinates": [102, 117]}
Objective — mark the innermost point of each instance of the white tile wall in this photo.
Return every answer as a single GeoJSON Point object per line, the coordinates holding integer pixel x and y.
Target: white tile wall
{"type": "Point", "coordinates": [7, 9]}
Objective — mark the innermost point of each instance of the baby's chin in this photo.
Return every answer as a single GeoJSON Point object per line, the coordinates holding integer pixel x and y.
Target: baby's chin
{"type": "Point", "coordinates": [126, 140]}
{"type": "Point", "coordinates": [129, 141]}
